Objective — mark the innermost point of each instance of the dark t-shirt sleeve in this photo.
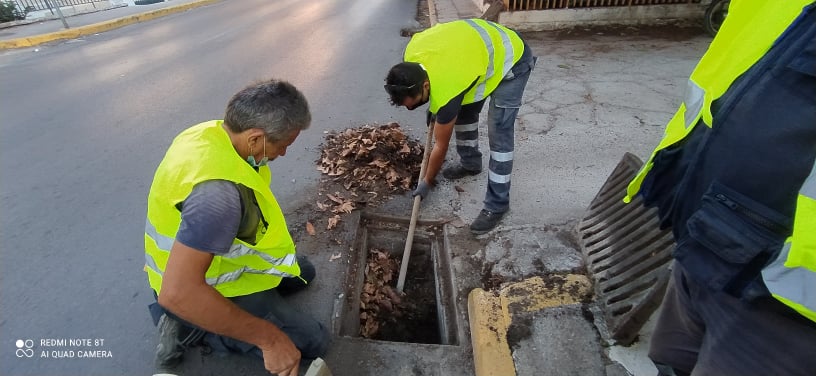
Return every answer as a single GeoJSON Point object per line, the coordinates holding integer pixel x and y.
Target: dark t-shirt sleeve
{"type": "Point", "coordinates": [210, 217]}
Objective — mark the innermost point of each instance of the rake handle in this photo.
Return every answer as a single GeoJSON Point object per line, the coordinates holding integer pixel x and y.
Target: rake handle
{"type": "Point", "coordinates": [409, 241]}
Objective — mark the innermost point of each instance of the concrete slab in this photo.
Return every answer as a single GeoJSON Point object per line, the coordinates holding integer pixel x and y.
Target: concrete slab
{"type": "Point", "coordinates": [554, 19]}
{"type": "Point", "coordinates": [534, 250]}
{"type": "Point", "coordinates": [450, 10]}
{"type": "Point", "coordinates": [556, 341]}
{"type": "Point", "coordinates": [354, 356]}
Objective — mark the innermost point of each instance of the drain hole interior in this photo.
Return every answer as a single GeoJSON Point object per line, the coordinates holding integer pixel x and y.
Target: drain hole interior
{"type": "Point", "coordinates": [389, 316]}
{"type": "Point", "coordinates": [373, 309]}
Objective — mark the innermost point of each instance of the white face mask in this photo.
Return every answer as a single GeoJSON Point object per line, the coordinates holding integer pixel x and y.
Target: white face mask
{"type": "Point", "coordinates": [251, 158]}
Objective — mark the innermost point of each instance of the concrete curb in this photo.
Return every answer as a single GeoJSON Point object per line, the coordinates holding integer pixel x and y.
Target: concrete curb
{"type": "Point", "coordinates": [488, 334]}
{"type": "Point", "coordinates": [432, 12]}
{"type": "Point", "coordinates": [490, 316]}
{"type": "Point", "coordinates": [99, 27]}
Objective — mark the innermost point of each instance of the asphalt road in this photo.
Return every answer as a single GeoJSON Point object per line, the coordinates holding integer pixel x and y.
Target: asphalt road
{"type": "Point", "coordinates": [84, 123]}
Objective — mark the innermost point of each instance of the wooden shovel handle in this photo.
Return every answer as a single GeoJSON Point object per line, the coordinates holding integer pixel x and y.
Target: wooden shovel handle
{"type": "Point", "coordinates": [409, 241]}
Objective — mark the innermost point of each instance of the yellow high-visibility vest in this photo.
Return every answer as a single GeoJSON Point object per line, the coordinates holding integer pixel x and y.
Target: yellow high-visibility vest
{"type": "Point", "coordinates": [457, 53]}
{"type": "Point", "coordinates": [747, 34]}
{"type": "Point", "coordinates": [200, 153]}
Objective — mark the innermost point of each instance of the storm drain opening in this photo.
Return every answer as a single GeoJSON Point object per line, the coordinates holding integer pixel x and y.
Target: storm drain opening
{"type": "Point", "coordinates": [627, 254]}
{"type": "Point", "coordinates": [371, 306]}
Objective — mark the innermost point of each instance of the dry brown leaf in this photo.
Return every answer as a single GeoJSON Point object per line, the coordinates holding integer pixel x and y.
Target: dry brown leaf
{"type": "Point", "coordinates": [334, 198]}
{"type": "Point", "coordinates": [370, 328]}
{"type": "Point", "coordinates": [333, 221]}
{"type": "Point", "coordinates": [393, 295]}
{"type": "Point", "coordinates": [379, 163]}
{"type": "Point", "coordinates": [386, 305]}
{"type": "Point", "coordinates": [392, 175]}
{"type": "Point", "coordinates": [310, 228]}
{"type": "Point", "coordinates": [388, 274]}
{"type": "Point", "coordinates": [345, 207]}
{"type": "Point", "coordinates": [405, 149]}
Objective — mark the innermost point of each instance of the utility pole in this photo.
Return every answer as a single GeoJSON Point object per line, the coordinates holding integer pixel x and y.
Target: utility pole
{"type": "Point", "coordinates": [59, 12]}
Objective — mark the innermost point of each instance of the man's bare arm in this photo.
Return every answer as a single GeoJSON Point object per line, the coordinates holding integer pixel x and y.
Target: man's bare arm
{"type": "Point", "coordinates": [185, 293]}
{"type": "Point", "coordinates": [442, 137]}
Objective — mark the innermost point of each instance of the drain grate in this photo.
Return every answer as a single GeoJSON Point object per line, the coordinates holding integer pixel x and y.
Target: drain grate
{"type": "Point", "coordinates": [626, 253]}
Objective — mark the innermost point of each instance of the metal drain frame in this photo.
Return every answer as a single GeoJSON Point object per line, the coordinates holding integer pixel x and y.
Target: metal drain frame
{"type": "Point", "coordinates": [346, 320]}
{"type": "Point", "coordinates": [626, 253]}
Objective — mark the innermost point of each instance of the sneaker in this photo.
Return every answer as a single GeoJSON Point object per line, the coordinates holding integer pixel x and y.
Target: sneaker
{"type": "Point", "coordinates": [169, 349]}
{"type": "Point", "coordinates": [458, 172]}
{"type": "Point", "coordinates": [485, 222]}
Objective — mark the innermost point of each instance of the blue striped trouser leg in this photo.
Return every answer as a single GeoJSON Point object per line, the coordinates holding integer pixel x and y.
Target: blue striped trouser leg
{"type": "Point", "coordinates": [497, 198]}
{"type": "Point", "coordinates": [505, 102]}
{"type": "Point", "coordinates": [467, 145]}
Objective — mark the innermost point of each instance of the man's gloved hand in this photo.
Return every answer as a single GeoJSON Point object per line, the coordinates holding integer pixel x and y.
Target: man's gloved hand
{"type": "Point", "coordinates": [422, 189]}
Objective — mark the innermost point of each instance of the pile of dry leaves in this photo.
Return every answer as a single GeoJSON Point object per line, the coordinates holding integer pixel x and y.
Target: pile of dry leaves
{"type": "Point", "coordinates": [372, 161]}
{"type": "Point", "coordinates": [378, 300]}
{"type": "Point", "coordinates": [368, 164]}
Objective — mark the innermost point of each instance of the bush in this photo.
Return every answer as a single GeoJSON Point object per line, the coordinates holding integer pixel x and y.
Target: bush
{"type": "Point", "coordinates": [9, 12]}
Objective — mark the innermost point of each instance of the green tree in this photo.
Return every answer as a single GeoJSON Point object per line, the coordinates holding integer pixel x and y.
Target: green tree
{"type": "Point", "coordinates": [9, 11]}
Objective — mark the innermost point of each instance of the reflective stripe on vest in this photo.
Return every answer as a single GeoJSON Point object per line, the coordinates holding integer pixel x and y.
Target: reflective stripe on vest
{"type": "Point", "coordinates": [479, 91]}
{"type": "Point", "coordinates": [236, 250]}
{"type": "Point", "coordinates": [456, 54]}
{"type": "Point", "coordinates": [749, 31]}
{"type": "Point", "coordinates": [791, 278]}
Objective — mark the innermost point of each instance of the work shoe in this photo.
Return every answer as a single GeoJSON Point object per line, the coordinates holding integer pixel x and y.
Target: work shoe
{"type": "Point", "coordinates": [169, 349]}
{"type": "Point", "coordinates": [485, 222]}
{"type": "Point", "coordinates": [458, 172]}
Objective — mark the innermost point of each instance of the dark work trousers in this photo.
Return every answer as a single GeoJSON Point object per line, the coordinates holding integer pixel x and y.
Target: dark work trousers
{"type": "Point", "coordinates": [308, 335]}
{"type": "Point", "coordinates": [701, 332]}
{"type": "Point", "coordinates": [505, 102]}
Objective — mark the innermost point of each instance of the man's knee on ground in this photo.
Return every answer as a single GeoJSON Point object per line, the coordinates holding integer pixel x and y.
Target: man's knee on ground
{"type": "Point", "coordinates": [319, 344]}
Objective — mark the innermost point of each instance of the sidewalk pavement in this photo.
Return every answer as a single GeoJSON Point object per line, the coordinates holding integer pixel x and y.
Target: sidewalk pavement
{"type": "Point", "coordinates": [592, 97]}
{"type": "Point", "coordinates": [18, 35]}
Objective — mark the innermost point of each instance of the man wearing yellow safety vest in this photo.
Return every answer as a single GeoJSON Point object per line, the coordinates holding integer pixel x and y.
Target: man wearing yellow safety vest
{"type": "Point", "coordinates": [734, 177]}
{"type": "Point", "coordinates": [455, 66]}
{"type": "Point", "coordinates": [218, 253]}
